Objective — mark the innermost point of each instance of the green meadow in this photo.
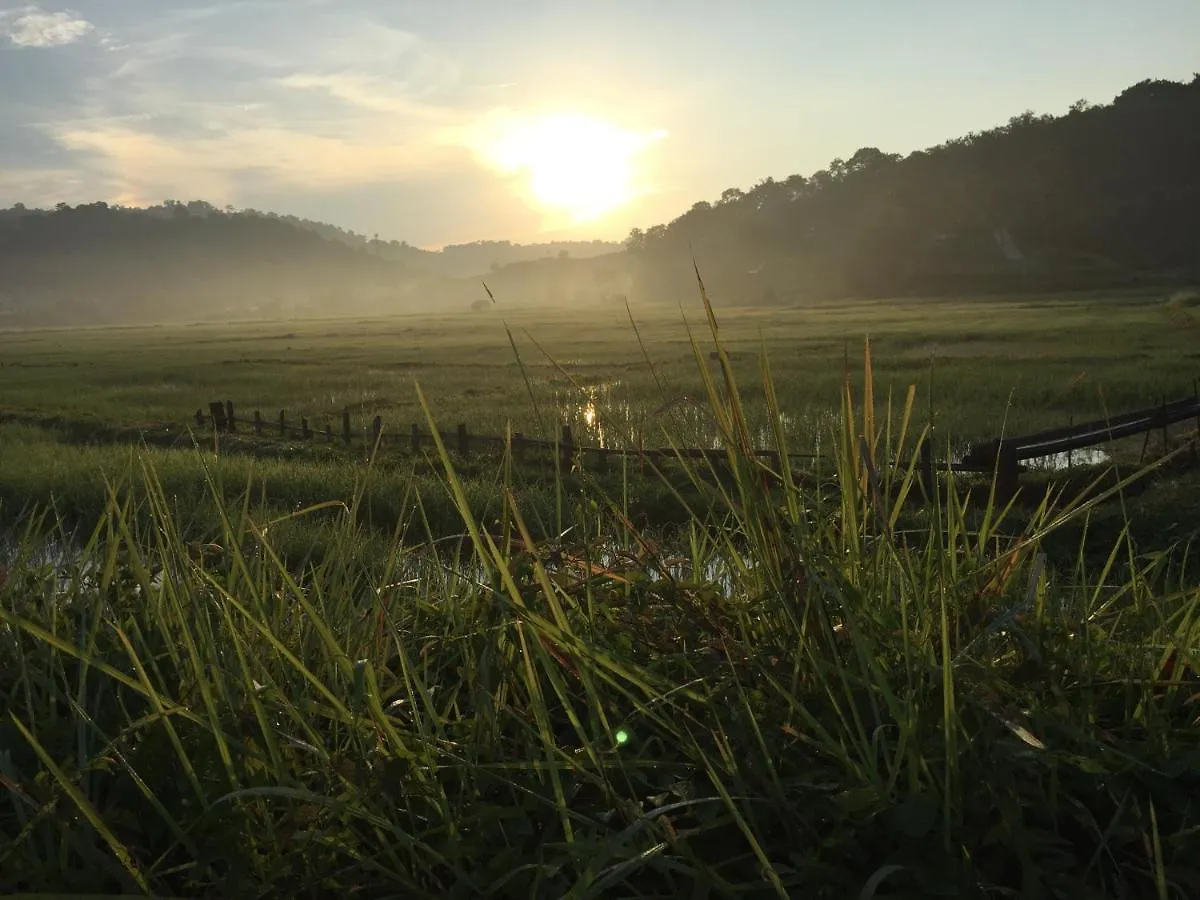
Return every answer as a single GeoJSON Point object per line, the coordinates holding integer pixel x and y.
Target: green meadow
{"type": "Point", "coordinates": [980, 365]}
{"type": "Point", "coordinates": [250, 667]}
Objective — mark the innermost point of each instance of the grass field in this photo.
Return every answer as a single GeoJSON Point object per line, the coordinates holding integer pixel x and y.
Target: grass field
{"type": "Point", "coordinates": [257, 675]}
{"type": "Point", "coordinates": [1030, 362]}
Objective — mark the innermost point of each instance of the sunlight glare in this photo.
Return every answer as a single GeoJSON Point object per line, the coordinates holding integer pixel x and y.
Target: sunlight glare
{"type": "Point", "coordinates": [574, 164]}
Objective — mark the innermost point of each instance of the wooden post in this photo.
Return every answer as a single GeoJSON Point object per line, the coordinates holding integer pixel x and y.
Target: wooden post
{"type": "Point", "coordinates": [1196, 443]}
{"type": "Point", "coordinates": [216, 409]}
{"type": "Point", "coordinates": [200, 419]}
{"type": "Point", "coordinates": [1008, 472]}
{"type": "Point", "coordinates": [566, 448]}
{"type": "Point", "coordinates": [925, 469]}
{"type": "Point", "coordinates": [305, 431]}
{"type": "Point", "coordinates": [376, 429]}
{"type": "Point", "coordinates": [229, 416]}
{"type": "Point", "coordinates": [1163, 414]}
{"type": "Point", "coordinates": [416, 439]}
{"type": "Point", "coordinates": [282, 424]}
{"type": "Point", "coordinates": [258, 422]}
{"type": "Point", "coordinates": [464, 443]}
{"type": "Point", "coordinates": [346, 425]}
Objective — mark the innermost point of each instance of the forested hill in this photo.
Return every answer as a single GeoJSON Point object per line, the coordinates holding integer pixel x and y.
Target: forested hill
{"type": "Point", "coordinates": [1098, 195]}
{"type": "Point", "coordinates": [98, 263]}
{"type": "Point", "coordinates": [469, 260]}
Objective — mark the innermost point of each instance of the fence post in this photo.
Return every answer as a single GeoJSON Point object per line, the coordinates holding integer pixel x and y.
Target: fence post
{"type": "Point", "coordinates": [416, 439]}
{"type": "Point", "coordinates": [1008, 472]}
{"type": "Point", "coordinates": [928, 481]}
{"type": "Point", "coordinates": [1163, 414]}
{"type": "Point", "coordinates": [229, 416]}
{"type": "Point", "coordinates": [282, 424]}
{"type": "Point", "coordinates": [1196, 443]}
{"type": "Point", "coordinates": [258, 422]}
{"type": "Point", "coordinates": [216, 409]}
{"type": "Point", "coordinates": [376, 429]}
{"type": "Point", "coordinates": [305, 431]}
{"type": "Point", "coordinates": [346, 424]}
{"type": "Point", "coordinates": [566, 448]}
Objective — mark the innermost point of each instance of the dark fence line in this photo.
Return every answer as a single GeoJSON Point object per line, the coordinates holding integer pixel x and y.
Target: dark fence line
{"type": "Point", "coordinates": [1001, 456]}
{"type": "Point", "coordinates": [1004, 455]}
{"type": "Point", "coordinates": [224, 420]}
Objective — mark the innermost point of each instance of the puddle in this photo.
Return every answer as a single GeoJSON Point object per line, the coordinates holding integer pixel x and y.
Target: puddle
{"type": "Point", "coordinates": [1060, 462]}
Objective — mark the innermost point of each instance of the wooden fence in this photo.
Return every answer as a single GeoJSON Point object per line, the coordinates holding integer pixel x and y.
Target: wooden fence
{"type": "Point", "coordinates": [224, 420]}
{"type": "Point", "coordinates": [1004, 455]}
{"type": "Point", "coordinates": [1001, 456]}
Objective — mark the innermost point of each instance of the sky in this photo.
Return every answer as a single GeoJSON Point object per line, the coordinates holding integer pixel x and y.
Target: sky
{"type": "Point", "coordinates": [528, 120]}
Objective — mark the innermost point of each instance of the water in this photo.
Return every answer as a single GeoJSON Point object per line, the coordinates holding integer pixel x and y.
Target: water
{"type": "Point", "coordinates": [1060, 462]}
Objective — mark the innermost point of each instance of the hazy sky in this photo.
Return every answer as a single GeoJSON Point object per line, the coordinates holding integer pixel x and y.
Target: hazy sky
{"type": "Point", "coordinates": [453, 120]}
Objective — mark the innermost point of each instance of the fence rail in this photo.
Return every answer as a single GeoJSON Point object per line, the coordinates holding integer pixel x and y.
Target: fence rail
{"type": "Point", "coordinates": [1004, 455]}
{"type": "Point", "coordinates": [1001, 456]}
{"type": "Point", "coordinates": [224, 420]}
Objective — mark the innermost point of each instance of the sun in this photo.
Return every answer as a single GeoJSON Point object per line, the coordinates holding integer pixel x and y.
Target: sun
{"type": "Point", "coordinates": [572, 164]}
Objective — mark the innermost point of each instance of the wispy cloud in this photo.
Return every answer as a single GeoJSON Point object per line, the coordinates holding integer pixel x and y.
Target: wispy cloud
{"type": "Point", "coordinates": [194, 106]}
{"type": "Point", "coordinates": [31, 26]}
{"type": "Point", "coordinates": [341, 105]}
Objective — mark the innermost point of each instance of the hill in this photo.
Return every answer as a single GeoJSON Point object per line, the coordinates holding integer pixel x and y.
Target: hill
{"type": "Point", "coordinates": [470, 260]}
{"type": "Point", "coordinates": [1099, 195]}
{"type": "Point", "coordinates": [96, 264]}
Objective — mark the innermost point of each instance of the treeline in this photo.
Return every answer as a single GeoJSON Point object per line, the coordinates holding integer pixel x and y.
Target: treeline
{"type": "Point", "coordinates": [99, 263]}
{"type": "Point", "coordinates": [454, 260]}
{"type": "Point", "coordinates": [1100, 195]}
{"type": "Point", "coordinates": [96, 263]}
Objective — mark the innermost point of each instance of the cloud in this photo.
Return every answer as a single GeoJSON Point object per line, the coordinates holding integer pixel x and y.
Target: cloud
{"type": "Point", "coordinates": [137, 161]}
{"type": "Point", "coordinates": [33, 27]}
{"type": "Point", "coordinates": [247, 95]}
{"type": "Point", "coordinates": [362, 91]}
{"type": "Point", "coordinates": [297, 103]}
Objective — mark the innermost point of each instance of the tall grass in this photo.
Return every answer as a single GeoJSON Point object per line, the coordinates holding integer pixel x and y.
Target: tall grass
{"type": "Point", "coordinates": [801, 694]}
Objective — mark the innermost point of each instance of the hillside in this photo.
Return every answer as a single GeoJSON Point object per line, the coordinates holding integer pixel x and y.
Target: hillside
{"type": "Point", "coordinates": [470, 260]}
{"type": "Point", "coordinates": [97, 264]}
{"type": "Point", "coordinates": [1099, 195]}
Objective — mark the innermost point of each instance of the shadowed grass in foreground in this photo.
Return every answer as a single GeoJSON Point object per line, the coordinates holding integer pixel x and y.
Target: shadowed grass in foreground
{"type": "Point", "coordinates": [800, 698]}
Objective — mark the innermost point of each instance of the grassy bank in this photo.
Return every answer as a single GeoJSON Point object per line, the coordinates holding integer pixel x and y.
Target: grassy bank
{"type": "Point", "coordinates": [799, 694]}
